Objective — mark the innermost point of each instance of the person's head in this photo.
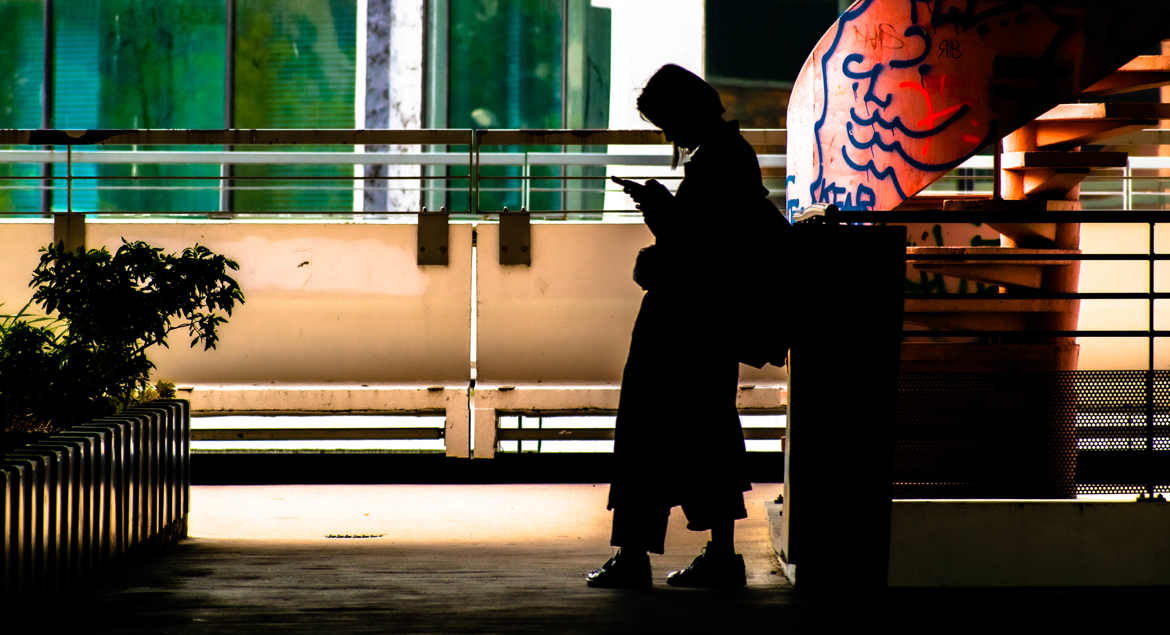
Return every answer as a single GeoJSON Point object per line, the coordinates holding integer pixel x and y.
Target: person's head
{"type": "Point", "coordinates": [681, 104]}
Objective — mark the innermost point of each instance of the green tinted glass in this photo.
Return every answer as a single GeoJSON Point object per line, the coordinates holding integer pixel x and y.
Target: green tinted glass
{"type": "Point", "coordinates": [295, 68]}
{"type": "Point", "coordinates": [21, 79]}
{"type": "Point", "coordinates": [505, 71]}
{"type": "Point", "coordinates": [140, 64]}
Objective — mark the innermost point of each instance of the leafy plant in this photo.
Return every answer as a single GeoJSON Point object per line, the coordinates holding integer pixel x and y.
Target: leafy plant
{"type": "Point", "coordinates": [109, 309]}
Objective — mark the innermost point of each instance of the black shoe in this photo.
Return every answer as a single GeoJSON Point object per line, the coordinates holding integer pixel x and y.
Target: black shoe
{"type": "Point", "coordinates": [711, 571]}
{"type": "Point", "coordinates": [623, 571]}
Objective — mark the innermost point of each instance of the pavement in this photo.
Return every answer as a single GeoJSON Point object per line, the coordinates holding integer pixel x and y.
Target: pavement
{"type": "Point", "coordinates": [422, 559]}
{"type": "Point", "coordinates": [332, 559]}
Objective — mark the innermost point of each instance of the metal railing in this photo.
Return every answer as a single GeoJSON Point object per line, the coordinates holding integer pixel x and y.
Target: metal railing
{"type": "Point", "coordinates": [1144, 182]}
{"type": "Point", "coordinates": [1154, 438]}
{"type": "Point", "coordinates": [473, 157]}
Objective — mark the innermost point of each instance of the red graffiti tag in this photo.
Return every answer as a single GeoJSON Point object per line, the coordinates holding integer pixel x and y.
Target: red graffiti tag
{"type": "Point", "coordinates": [932, 115]}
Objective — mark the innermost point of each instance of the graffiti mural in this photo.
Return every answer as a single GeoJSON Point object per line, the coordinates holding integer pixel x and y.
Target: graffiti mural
{"type": "Point", "coordinates": [897, 93]}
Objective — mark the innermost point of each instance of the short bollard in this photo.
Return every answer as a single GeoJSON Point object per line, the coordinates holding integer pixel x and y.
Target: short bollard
{"type": "Point", "coordinates": [27, 554]}
{"type": "Point", "coordinates": [12, 524]}
{"type": "Point", "coordinates": [52, 458]}
{"type": "Point", "coordinates": [92, 525]}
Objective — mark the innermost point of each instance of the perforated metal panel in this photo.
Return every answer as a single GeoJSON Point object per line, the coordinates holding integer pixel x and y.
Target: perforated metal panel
{"type": "Point", "coordinates": [1031, 435]}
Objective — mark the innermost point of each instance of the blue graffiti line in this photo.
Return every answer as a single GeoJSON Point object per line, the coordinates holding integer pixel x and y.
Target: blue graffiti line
{"type": "Point", "coordinates": [915, 31]}
{"type": "Point", "coordinates": [861, 200]}
{"type": "Point", "coordinates": [845, 18]}
{"type": "Point", "coordinates": [866, 197]}
{"type": "Point", "coordinates": [896, 124]}
{"type": "Point", "coordinates": [897, 148]}
{"type": "Point", "coordinates": [793, 203]}
{"type": "Point", "coordinates": [872, 75]}
{"type": "Point", "coordinates": [871, 168]}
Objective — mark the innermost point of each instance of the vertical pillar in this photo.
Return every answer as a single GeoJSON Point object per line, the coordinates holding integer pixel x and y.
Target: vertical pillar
{"type": "Point", "coordinates": [377, 90]}
{"type": "Point", "coordinates": [394, 96]}
{"type": "Point", "coordinates": [485, 433]}
{"type": "Point", "coordinates": [69, 230]}
{"type": "Point", "coordinates": [457, 433]}
{"type": "Point", "coordinates": [843, 380]}
{"type": "Point", "coordinates": [1055, 447]}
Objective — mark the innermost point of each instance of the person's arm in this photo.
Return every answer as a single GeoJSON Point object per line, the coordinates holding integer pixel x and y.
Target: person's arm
{"type": "Point", "coordinates": [655, 201]}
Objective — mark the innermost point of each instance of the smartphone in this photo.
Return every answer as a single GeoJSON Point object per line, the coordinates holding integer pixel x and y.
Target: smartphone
{"type": "Point", "coordinates": [633, 185]}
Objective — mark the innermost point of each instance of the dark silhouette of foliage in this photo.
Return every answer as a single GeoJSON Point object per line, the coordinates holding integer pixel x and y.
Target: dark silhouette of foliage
{"type": "Point", "coordinates": [90, 360]}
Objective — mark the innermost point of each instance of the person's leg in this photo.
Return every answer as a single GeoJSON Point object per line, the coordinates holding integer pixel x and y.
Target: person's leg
{"type": "Point", "coordinates": [639, 530]}
{"type": "Point", "coordinates": [722, 538]}
{"type": "Point", "coordinates": [636, 531]}
{"type": "Point", "coordinates": [718, 565]}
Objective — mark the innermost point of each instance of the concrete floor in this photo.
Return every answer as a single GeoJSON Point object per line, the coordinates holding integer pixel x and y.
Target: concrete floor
{"type": "Point", "coordinates": [501, 559]}
{"type": "Point", "coordinates": [430, 559]}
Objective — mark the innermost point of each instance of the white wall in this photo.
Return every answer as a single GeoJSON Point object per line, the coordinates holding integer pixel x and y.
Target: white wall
{"type": "Point", "coordinates": [645, 35]}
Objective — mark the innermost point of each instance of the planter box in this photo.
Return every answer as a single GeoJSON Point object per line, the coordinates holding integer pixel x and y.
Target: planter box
{"type": "Point", "coordinates": [78, 500]}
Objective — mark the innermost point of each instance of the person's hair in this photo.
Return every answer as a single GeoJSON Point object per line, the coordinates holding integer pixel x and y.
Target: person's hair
{"type": "Point", "coordinates": [675, 94]}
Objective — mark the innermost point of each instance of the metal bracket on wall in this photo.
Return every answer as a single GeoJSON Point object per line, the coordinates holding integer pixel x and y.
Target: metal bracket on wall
{"type": "Point", "coordinates": [433, 237]}
{"type": "Point", "coordinates": [515, 238]}
{"type": "Point", "coordinates": [69, 230]}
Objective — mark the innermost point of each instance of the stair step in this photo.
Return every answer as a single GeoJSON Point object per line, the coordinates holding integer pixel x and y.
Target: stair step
{"type": "Point", "coordinates": [970, 356]}
{"type": "Point", "coordinates": [1022, 272]}
{"type": "Point", "coordinates": [1141, 73]}
{"type": "Point", "coordinates": [1062, 160]}
{"type": "Point", "coordinates": [938, 201]}
{"type": "Point", "coordinates": [1032, 235]}
{"type": "Point", "coordinates": [1102, 111]}
{"type": "Point", "coordinates": [1082, 124]}
{"type": "Point", "coordinates": [989, 305]}
{"type": "Point", "coordinates": [967, 321]}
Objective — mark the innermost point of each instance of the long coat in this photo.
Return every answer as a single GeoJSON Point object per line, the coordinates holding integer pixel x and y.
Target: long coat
{"type": "Point", "coordinates": [678, 439]}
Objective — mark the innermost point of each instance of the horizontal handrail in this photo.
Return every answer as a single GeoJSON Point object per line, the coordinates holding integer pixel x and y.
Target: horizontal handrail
{"type": "Point", "coordinates": [420, 136]}
{"type": "Point", "coordinates": [992, 217]}
{"type": "Point", "coordinates": [270, 136]}
{"type": "Point", "coordinates": [607, 434]}
{"type": "Point", "coordinates": [215, 157]}
{"type": "Point", "coordinates": [314, 434]}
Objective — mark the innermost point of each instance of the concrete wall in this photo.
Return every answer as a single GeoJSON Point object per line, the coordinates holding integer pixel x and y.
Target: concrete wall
{"type": "Point", "coordinates": [346, 303]}
{"type": "Point", "coordinates": [1029, 544]}
{"type": "Point", "coordinates": [568, 317]}
{"type": "Point", "coordinates": [19, 241]}
{"type": "Point", "coordinates": [326, 302]}
{"type": "Point", "coordinates": [1129, 277]}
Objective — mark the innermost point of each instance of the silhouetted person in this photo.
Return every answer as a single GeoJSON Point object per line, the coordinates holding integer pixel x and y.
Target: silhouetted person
{"type": "Point", "coordinates": [711, 279]}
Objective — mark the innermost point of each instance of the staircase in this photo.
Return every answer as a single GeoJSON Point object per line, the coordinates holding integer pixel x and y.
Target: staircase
{"type": "Point", "coordinates": [874, 120]}
{"type": "Point", "coordinates": [1042, 165]}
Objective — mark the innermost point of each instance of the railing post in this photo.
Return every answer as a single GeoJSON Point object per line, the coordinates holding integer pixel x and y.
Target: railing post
{"type": "Point", "coordinates": [69, 228]}
{"type": "Point", "coordinates": [473, 174]}
{"type": "Point", "coordinates": [1127, 186]}
{"type": "Point", "coordinates": [1149, 450]}
{"type": "Point", "coordinates": [457, 425]}
{"type": "Point", "coordinates": [515, 238]}
{"type": "Point", "coordinates": [486, 423]}
{"type": "Point", "coordinates": [433, 237]}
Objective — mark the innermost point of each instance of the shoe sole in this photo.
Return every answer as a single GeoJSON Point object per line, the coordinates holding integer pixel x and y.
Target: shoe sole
{"type": "Point", "coordinates": [595, 585]}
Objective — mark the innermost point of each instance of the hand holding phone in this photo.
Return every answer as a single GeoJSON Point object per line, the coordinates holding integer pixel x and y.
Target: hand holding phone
{"type": "Point", "coordinates": [630, 187]}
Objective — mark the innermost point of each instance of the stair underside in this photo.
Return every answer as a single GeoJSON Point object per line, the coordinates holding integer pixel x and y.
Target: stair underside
{"type": "Point", "coordinates": [1142, 73]}
{"type": "Point", "coordinates": [1070, 125]}
{"type": "Point", "coordinates": [1018, 271]}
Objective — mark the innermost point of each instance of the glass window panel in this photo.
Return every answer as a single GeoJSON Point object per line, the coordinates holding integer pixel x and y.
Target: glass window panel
{"type": "Point", "coordinates": [295, 68]}
{"type": "Point", "coordinates": [743, 42]}
{"type": "Point", "coordinates": [505, 71]}
{"type": "Point", "coordinates": [21, 80]}
{"type": "Point", "coordinates": [139, 64]}
{"type": "Point", "coordinates": [587, 103]}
